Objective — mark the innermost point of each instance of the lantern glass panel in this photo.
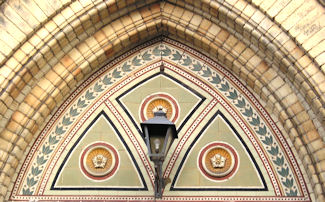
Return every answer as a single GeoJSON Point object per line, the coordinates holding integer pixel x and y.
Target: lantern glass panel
{"type": "Point", "coordinates": [168, 141]}
{"type": "Point", "coordinates": [157, 144]}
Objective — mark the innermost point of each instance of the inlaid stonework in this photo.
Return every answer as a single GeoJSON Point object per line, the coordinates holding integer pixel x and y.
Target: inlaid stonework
{"type": "Point", "coordinates": [98, 161]}
{"type": "Point", "coordinates": [222, 93]}
{"type": "Point", "coordinates": [159, 101]}
{"type": "Point", "coordinates": [218, 161]}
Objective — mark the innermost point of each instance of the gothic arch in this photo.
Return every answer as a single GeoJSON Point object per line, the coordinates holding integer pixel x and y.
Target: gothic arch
{"type": "Point", "coordinates": [43, 65]}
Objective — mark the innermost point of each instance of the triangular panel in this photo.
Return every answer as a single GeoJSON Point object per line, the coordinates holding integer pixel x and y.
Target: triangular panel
{"type": "Point", "coordinates": [100, 133]}
{"type": "Point", "coordinates": [194, 174]}
{"type": "Point", "coordinates": [186, 97]}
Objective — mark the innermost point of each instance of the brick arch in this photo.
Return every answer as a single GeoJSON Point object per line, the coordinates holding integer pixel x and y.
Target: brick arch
{"type": "Point", "coordinates": [35, 88]}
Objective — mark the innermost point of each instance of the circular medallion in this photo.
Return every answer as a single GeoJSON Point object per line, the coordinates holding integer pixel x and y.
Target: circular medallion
{"type": "Point", "coordinates": [158, 102]}
{"type": "Point", "coordinates": [99, 161]}
{"type": "Point", "coordinates": [218, 161]}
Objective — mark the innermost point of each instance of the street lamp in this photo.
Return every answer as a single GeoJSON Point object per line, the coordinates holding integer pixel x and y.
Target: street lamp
{"type": "Point", "coordinates": [159, 134]}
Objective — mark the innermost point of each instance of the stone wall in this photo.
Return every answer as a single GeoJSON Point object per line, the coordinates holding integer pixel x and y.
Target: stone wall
{"type": "Point", "coordinates": [275, 47]}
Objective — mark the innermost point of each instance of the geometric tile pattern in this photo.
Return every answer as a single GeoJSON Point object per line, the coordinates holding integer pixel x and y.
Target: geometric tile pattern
{"type": "Point", "coordinates": [219, 130]}
{"type": "Point", "coordinates": [284, 34]}
{"type": "Point", "coordinates": [214, 88]}
{"type": "Point", "coordinates": [100, 130]}
{"type": "Point", "coordinates": [188, 98]}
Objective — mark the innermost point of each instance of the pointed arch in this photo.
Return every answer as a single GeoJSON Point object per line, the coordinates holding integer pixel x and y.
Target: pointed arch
{"type": "Point", "coordinates": [43, 64]}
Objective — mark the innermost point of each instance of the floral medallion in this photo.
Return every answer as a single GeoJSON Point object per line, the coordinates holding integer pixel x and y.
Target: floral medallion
{"type": "Point", "coordinates": [99, 161]}
{"type": "Point", "coordinates": [218, 161]}
{"type": "Point", "coordinates": [158, 102]}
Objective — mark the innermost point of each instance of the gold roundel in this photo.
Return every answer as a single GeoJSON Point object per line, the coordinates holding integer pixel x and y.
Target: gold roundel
{"type": "Point", "coordinates": [98, 160]}
{"type": "Point", "coordinates": [218, 161]}
{"type": "Point", "coordinates": [159, 104]}
{"type": "Point", "coordinates": [156, 102]}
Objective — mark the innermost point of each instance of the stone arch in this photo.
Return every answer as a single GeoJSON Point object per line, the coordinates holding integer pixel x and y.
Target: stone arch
{"type": "Point", "coordinates": [46, 65]}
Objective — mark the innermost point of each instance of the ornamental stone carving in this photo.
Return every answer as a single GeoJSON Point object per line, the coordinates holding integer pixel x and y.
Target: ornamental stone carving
{"type": "Point", "coordinates": [218, 161]}
{"type": "Point", "coordinates": [99, 161]}
{"type": "Point", "coordinates": [156, 102]}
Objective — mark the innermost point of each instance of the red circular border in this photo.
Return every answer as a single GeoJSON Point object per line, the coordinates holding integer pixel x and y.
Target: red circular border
{"type": "Point", "coordinates": [169, 98]}
{"type": "Point", "coordinates": [230, 149]}
{"type": "Point", "coordinates": [108, 174]}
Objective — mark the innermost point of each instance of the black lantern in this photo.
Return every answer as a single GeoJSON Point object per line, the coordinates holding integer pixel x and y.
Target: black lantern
{"type": "Point", "coordinates": [159, 134]}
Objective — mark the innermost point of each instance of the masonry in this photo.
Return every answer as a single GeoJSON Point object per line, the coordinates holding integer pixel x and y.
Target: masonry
{"type": "Point", "coordinates": [54, 51]}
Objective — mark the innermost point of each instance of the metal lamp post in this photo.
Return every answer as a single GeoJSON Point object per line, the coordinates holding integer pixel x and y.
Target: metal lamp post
{"type": "Point", "coordinates": [159, 134]}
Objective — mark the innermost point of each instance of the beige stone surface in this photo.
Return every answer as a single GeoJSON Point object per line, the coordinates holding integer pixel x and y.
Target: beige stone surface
{"type": "Point", "coordinates": [49, 47]}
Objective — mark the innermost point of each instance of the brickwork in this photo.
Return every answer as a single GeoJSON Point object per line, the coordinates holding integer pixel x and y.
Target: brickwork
{"type": "Point", "coordinates": [275, 47]}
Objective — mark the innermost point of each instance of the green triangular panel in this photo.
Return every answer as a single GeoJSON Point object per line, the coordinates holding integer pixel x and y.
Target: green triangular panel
{"type": "Point", "coordinates": [218, 129]}
{"type": "Point", "coordinates": [128, 175]}
{"type": "Point", "coordinates": [186, 97]}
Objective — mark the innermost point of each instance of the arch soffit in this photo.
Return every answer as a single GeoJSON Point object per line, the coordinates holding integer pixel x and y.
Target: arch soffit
{"type": "Point", "coordinates": [153, 22]}
{"type": "Point", "coordinates": [239, 26]}
{"type": "Point", "coordinates": [273, 45]}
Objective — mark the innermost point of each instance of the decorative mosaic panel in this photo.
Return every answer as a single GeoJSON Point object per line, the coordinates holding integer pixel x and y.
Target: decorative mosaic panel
{"type": "Point", "coordinates": [228, 147]}
{"type": "Point", "coordinates": [219, 137]}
